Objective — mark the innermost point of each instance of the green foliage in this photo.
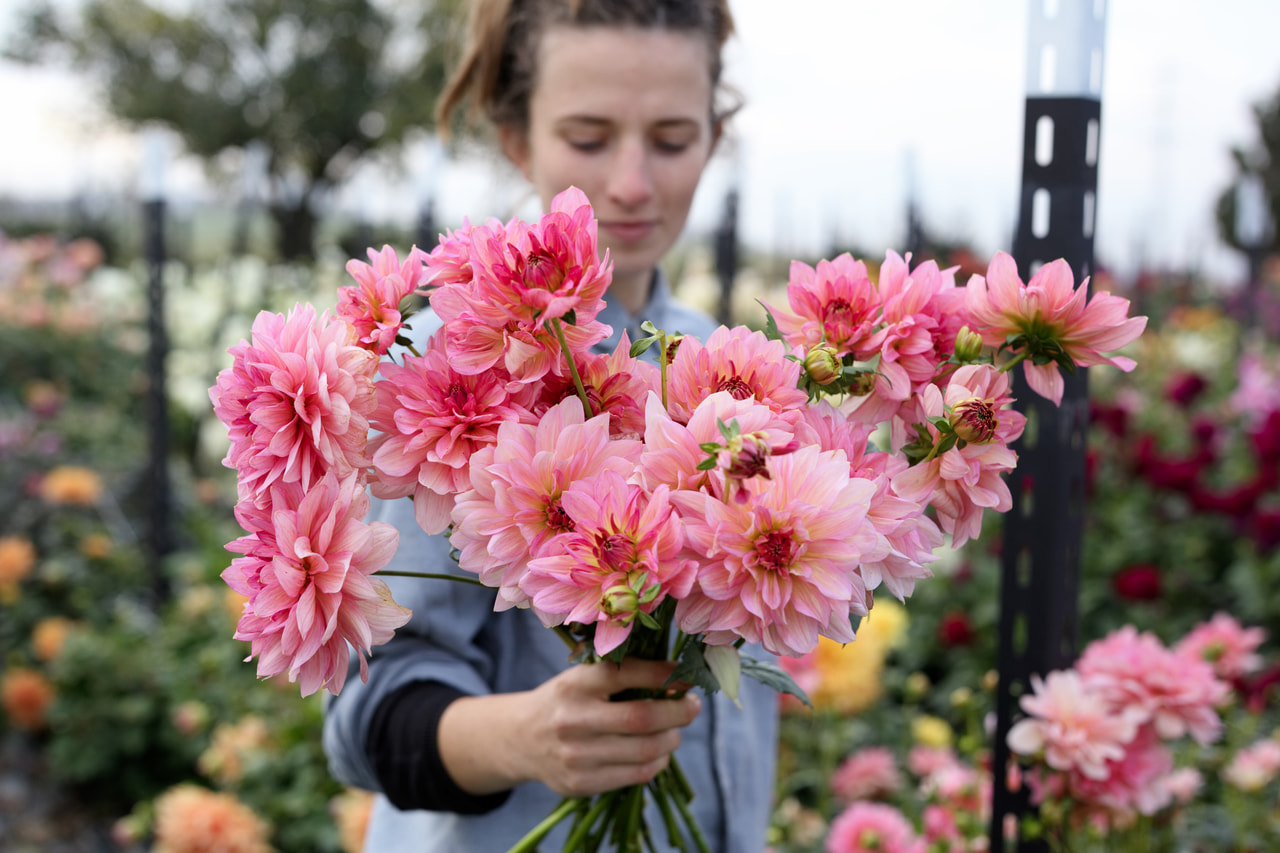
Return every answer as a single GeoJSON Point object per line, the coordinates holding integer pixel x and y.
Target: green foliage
{"type": "Point", "coordinates": [319, 84]}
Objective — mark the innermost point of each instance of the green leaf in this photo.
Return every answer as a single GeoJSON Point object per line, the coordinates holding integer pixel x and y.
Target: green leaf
{"type": "Point", "coordinates": [693, 669]}
{"type": "Point", "coordinates": [770, 324]}
{"type": "Point", "coordinates": [772, 675]}
{"type": "Point", "coordinates": [638, 347]}
{"type": "Point", "coordinates": [707, 464]}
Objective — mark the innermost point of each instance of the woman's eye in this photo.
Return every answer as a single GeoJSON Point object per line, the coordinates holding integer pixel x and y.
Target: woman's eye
{"type": "Point", "coordinates": [586, 145]}
{"type": "Point", "coordinates": [672, 145]}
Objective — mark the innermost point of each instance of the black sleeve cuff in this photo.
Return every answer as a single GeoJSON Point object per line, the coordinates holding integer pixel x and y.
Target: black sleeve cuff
{"type": "Point", "coordinates": [403, 745]}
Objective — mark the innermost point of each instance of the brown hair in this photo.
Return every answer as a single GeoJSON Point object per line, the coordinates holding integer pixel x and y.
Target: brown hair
{"type": "Point", "coordinates": [499, 63]}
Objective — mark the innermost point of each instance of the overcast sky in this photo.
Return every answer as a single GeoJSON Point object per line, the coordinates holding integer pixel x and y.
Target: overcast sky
{"type": "Point", "coordinates": [848, 104]}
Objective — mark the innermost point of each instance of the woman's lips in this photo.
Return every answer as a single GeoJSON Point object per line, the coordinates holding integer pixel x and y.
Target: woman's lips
{"type": "Point", "coordinates": [629, 231]}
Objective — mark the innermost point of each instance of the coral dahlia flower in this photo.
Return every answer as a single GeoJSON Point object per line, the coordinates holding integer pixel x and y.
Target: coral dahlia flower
{"type": "Point", "coordinates": [191, 819]}
{"type": "Point", "coordinates": [1056, 322]}
{"type": "Point", "coordinates": [309, 582]}
{"type": "Point", "coordinates": [873, 828]}
{"type": "Point", "coordinates": [783, 569]}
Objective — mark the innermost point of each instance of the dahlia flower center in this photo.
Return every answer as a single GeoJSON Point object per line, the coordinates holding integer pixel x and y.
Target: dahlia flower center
{"type": "Point", "coordinates": [775, 550]}
{"type": "Point", "coordinates": [557, 519]}
{"type": "Point", "coordinates": [840, 311]}
{"type": "Point", "coordinates": [456, 394]}
{"type": "Point", "coordinates": [613, 550]}
{"type": "Point", "coordinates": [737, 389]}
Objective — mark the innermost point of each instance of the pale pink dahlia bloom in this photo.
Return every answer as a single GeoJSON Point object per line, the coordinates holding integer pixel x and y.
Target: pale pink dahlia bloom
{"type": "Point", "coordinates": [524, 277]}
{"type": "Point", "coordinates": [513, 506]}
{"type": "Point", "coordinates": [1054, 316]}
{"type": "Point", "coordinates": [450, 261]}
{"type": "Point", "coordinates": [307, 572]}
{"type": "Point", "coordinates": [296, 402]}
{"type": "Point", "coordinates": [962, 482]}
{"type": "Point", "coordinates": [783, 569]}
{"type": "Point", "coordinates": [1179, 695]}
{"type": "Point", "coordinates": [623, 541]}
{"type": "Point", "coordinates": [1222, 641]}
{"type": "Point", "coordinates": [867, 774]}
{"type": "Point", "coordinates": [430, 420]}
{"type": "Point", "coordinates": [372, 305]}
{"type": "Point", "coordinates": [835, 304]}
{"type": "Point", "coordinates": [1252, 768]}
{"type": "Point", "coordinates": [1073, 724]}
{"type": "Point", "coordinates": [1134, 783]}
{"type": "Point", "coordinates": [873, 828]}
{"type": "Point", "coordinates": [745, 363]}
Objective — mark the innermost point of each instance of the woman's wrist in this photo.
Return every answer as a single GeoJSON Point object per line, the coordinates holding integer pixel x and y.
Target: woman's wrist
{"type": "Point", "coordinates": [479, 740]}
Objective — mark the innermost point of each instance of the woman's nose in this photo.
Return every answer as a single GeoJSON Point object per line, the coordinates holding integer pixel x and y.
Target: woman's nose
{"type": "Point", "coordinates": [630, 178]}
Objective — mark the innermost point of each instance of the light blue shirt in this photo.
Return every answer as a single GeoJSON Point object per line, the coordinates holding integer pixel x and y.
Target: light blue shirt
{"type": "Point", "coordinates": [454, 637]}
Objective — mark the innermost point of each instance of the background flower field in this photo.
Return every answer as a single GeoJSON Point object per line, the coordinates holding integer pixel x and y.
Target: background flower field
{"type": "Point", "coordinates": [129, 714]}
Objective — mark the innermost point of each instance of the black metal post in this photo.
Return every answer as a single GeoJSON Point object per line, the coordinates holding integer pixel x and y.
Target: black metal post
{"type": "Point", "coordinates": [160, 495]}
{"type": "Point", "coordinates": [427, 236]}
{"type": "Point", "coordinates": [727, 255]}
{"type": "Point", "coordinates": [1043, 531]}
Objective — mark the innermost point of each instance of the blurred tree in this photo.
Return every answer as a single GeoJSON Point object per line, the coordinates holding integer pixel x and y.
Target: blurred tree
{"type": "Point", "coordinates": [317, 83]}
{"type": "Point", "coordinates": [1249, 207]}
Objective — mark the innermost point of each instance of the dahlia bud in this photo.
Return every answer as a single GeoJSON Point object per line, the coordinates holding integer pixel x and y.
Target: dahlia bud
{"type": "Point", "coordinates": [863, 384]}
{"type": "Point", "coordinates": [822, 364]}
{"type": "Point", "coordinates": [620, 601]}
{"type": "Point", "coordinates": [968, 348]}
{"type": "Point", "coordinates": [974, 420]}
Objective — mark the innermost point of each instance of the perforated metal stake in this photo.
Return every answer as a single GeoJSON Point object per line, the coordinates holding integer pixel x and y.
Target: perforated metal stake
{"type": "Point", "coordinates": [1043, 532]}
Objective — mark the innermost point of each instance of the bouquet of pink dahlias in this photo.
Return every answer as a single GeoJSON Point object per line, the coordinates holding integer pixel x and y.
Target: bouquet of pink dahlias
{"type": "Point", "coordinates": [675, 498]}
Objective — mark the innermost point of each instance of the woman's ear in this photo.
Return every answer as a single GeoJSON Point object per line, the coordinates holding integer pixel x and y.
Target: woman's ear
{"type": "Point", "coordinates": [515, 144]}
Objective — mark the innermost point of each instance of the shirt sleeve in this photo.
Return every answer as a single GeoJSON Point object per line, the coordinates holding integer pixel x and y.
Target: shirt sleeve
{"type": "Point", "coordinates": [403, 744]}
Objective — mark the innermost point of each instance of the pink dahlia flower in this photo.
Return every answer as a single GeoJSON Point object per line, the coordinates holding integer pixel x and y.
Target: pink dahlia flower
{"type": "Point", "coordinates": [744, 363]}
{"type": "Point", "coordinates": [1053, 319]}
{"type": "Point", "coordinates": [296, 402]}
{"type": "Point", "coordinates": [430, 420]}
{"type": "Point", "coordinates": [922, 316]}
{"type": "Point", "coordinates": [513, 507]}
{"type": "Point", "coordinates": [1231, 648]}
{"type": "Point", "coordinates": [450, 261]}
{"type": "Point", "coordinates": [1252, 768]}
{"type": "Point", "coordinates": [1134, 783]}
{"type": "Point", "coordinates": [617, 383]}
{"type": "Point", "coordinates": [873, 828]}
{"type": "Point", "coordinates": [962, 482]}
{"type": "Point", "coordinates": [372, 306]}
{"type": "Point", "coordinates": [673, 451]}
{"type": "Point", "coordinates": [308, 576]}
{"type": "Point", "coordinates": [867, 774]}
{"type": "Point", "coordinates": [524, 276]}
{"type": "Point", "coordinates": [1179, 695]}
{"type": "Point", "coordinates": [623, 542]}
{"type": "Point", "coordinates": [1073, 724]}
{"type": "Point", "coordinates": [834, 304]}
{"type": "Point", "coordinates": [783, 569]}
{"type": "Point", "coordinates": [909, 538]}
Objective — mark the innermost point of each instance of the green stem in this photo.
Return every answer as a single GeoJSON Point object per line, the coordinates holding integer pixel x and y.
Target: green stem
{"type": "Point", "coordinates": [691, 823]}
{"type": "Point", "coordinates": [661, 797]}
{"type": "Point", "coordinates": [1014, 362]}
{"type": "Point", "coordinates": [529, 843]}
{"type": "Point", "coordinates": [398, 573]}
{"type": "Point", "coordinates": [573, 367]}
{"type": "Point", "coordinates": [662, 365]}
{"type": "Point", "coordinates": [582, 827]}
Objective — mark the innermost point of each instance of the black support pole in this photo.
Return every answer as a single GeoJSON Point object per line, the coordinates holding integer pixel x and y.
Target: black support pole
{"type": "Point", "coordinates": [159, 493]}
{"type": "Point", "coordinates": [1043, 531]}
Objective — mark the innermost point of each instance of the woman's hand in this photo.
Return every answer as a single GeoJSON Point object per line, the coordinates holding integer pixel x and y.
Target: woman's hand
{"type": "Point", "coordinates": [566, 733]}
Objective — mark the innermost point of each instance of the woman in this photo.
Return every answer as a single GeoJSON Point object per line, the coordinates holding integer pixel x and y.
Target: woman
{"type": "Point", "coordinates": [472, 723]}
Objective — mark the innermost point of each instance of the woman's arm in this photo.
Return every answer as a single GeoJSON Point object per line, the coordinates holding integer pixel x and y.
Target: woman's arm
{"type": "Point", "coordinates": [566, 733]}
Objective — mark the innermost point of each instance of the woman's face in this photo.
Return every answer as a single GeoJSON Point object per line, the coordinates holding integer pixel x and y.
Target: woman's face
{"type": "Point", "coordinates": [624, 115]}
